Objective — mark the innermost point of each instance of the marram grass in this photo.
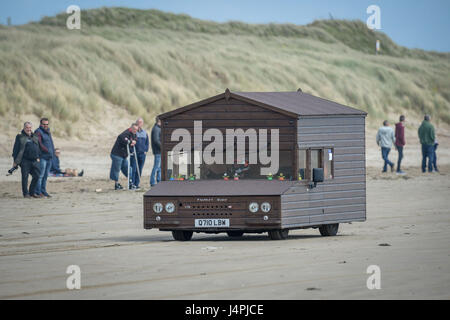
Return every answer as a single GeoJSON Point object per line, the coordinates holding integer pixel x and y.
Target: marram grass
{"type": "Point", "coordinates": [148, 62]}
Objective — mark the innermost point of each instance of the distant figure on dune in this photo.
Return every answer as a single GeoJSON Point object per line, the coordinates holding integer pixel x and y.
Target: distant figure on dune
{"type": "Point", "coordinates": [427, 139]}
{"type": "Point", "coordinates": [400, 141]}
{"type": "Point", "coordinates": [55, 170]}
{"type": "Point", "coordinates": [385, 139]}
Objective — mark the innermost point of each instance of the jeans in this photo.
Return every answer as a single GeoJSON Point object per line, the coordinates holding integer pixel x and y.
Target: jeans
{"type": "Point", "coordinates": [44, 167]}
{"type": "Point", "coordinates": [156, 170]}
{"type": "Point", "coordinates": [400, 157]}
{"type": "Point", "coordinates": [118, 164]}
{"type": "Point", "coordinates": [135, 178]}
{"type": "Point", "coordinates": [435, 157]}
{"type": "Point", "coordinates": [427, 152]}
{"type": "Point", "coordinates": [384, 155]}
{"type": "Point", "coordinates": [29, 167]}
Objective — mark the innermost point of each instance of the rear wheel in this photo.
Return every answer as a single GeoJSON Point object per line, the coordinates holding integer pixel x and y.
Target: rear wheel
{"type": "Point", "coordinates": [182, 235]}
{"type": "Point", "coordinates": [278, 234]}
{"type": "Point", "coordinates": [327, 230]}
{"type": "Point", "coordinates": [235, 234]}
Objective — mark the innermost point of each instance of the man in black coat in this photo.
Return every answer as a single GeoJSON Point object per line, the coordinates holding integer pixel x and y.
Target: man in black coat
{"type": "Point", "coordinates": [119, 154]}
{"type": "Point", "coordinates": [26, 154]}
{"type": "Point", "coordinates": [156, 149]}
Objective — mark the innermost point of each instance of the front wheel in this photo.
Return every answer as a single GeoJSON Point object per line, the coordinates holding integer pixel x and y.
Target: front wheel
{"type": "Point", "coordinates": [180, 235]}
{"type": "Point", "coordinates": [327, 230]}
{"type": "Point", "coordinates": [279, 234]}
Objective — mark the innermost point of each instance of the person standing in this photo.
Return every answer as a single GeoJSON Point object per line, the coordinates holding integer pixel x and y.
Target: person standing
{"type": "Point", "coordinates": [400, 141]}
{"type": "Point", "coordinates": [26, 154]}
{"type": "Point", "coordinates": [385, 139]}
{"type": "Point", "coordinates": [156, 148]}
{"type": "Point", "coordinates": [427, 138]}
{"type": "Point", "coordinates": [141, 149]}
{"type": "Point", "coordinates": [119, 154]}
{"type": "Point", "coordinates": [47, 150]}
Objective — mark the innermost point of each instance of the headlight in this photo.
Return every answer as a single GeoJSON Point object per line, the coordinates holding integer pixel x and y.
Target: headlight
{"type": "Point", "coordinates": [253, 207]}
{"type": "Point", "coordinates": [170, 207]}
{"type": "Point", "coordinates": [158, 207]}
{"type": "Point", "coordinates": [265, 207]}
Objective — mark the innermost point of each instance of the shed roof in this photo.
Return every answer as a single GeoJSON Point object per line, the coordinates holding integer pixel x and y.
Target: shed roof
{"type": "Point", "coordinates": [293, 103]}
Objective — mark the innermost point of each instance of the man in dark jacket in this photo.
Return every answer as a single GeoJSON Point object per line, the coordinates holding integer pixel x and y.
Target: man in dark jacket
{"type": "Point", "coordinates": [47, 149]}
{"type": "Point", "coordinates": [119, 154]}
{"type": "Point", "coordinates": [427, 138]}
{"type": "Point", "coordinates": [400, 141]}
{"type": "Point", "coordinates": [141, 149]}
{"type": "Point", "coordinates": [26, 155]}
{"type": "Point", "coordinates": [156, 148]}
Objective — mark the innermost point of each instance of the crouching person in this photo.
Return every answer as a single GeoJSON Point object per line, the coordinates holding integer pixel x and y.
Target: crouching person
{"type": "Point", "coordinates": [26, 154]}
{"type": "Point", "coordinates": [119, 154]}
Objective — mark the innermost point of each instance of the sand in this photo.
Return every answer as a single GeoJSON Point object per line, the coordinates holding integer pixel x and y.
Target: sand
{"type": "Point", "coordinates": [406, 235]}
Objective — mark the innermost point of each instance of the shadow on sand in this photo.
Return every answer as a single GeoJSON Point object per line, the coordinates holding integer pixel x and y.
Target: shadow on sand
{"type": "Point", "coordinates": [199, 237]}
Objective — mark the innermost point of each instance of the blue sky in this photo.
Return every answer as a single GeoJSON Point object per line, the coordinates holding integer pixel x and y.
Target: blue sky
{"type": "Point", "coordinates": [421, 24]}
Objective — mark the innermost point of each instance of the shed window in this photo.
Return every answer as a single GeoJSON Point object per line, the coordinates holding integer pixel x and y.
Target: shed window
{"type": "Point", "coordinates": [301, 164]}
{"type": "Point", "coordinates": [328, 169]}
{"type": "Point", "coordinates": [316, 162]}
{"type": "Point", "coordinates": [311, 158]}
{"type": "Point", "coordinates": [189, 166]}
{"type": "Point", "coordinates": [177, 164]}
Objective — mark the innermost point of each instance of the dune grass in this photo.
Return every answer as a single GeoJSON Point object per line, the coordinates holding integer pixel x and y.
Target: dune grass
{"type": "Point", "coordinates": [148, 62]}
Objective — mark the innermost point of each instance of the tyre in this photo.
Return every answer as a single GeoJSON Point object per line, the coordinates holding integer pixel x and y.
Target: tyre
{"type": "Point", "coordinates": [278, 234]}
{"type": "Point", "coordinates": [328, 230]}
{"type": "Point", "coordinates": [235, 233]}
{"type": "Point", "coordinates": [180, 235]}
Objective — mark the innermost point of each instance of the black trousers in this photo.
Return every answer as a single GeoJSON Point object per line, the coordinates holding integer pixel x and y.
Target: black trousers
{"type": "Point", "coordinates": [400, 157]}
{"type": "Point", "coordinates": [28, 167]}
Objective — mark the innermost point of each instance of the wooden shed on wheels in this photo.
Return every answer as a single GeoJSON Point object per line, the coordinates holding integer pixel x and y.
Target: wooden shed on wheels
{"type": "Point", "coordinates": [320, 179]}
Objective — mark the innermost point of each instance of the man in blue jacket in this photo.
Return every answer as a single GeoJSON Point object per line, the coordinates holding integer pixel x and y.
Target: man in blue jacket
{"type": "Point", "coordinates": [47, 150]}
{"type": "Point", "coordinates": [141, 149]}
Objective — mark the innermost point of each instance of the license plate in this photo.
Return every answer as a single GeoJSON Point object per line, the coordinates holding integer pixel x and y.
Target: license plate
{"type": "Point", "coordinates": [212, 223]}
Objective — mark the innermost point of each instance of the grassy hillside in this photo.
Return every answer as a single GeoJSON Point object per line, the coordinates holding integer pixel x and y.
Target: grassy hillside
{"type": "Point", "coordinates": [146, 62]}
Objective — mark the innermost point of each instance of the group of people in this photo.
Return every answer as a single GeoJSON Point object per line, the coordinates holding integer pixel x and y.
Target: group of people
{"type": "Point", "coordinates": [37, 156]}
{"type": "Point", "coordinates": [35, 153]}
{"type": "Point", "coordinates": [386, 138]}
{"type": "Point", "coordinates": [132, 145]}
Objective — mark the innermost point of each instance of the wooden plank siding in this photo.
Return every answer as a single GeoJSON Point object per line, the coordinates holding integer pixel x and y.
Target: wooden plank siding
{"type": "Point", "coordinates": [343, 198]}
{"type": "Point", "coordinates": [225, 114]}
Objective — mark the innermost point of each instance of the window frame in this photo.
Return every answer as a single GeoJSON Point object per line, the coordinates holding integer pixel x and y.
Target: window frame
{"type": "Point", "coordinates": [308, 170]}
